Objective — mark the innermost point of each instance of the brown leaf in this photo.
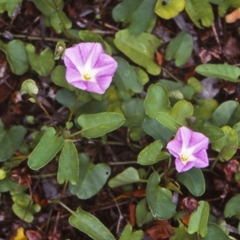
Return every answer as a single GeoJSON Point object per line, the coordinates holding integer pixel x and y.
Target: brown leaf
{"type": "Point", "coordinates": [230, 168]}
{"type": "Point", "coordinates": [161, 230]}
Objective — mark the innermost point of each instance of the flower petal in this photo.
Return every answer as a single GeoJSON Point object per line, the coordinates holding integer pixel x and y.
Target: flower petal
{"type": "Point", "coordinates": [73, 57]}
{"type": "Point", "coordinates": [105, 66]}
{"type": "Point", "coordinates": [201, 159]}
{"type": "Point", "coordinates": [184, 134]}
{"type": "Point", "coordinates": [175, 147]}
{"type": "Point", "coordinates": [198, 141]}
{"type": "Point", "coordinates": [90, 53]}
{"type": "Point", "coordinates": [180, 167]}
{"type": "Point", "coordinates": [72, 75]}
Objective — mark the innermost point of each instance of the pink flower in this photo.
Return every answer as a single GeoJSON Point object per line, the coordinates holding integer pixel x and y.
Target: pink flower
{"type": "Point", "coordinates": [189, 148]}
{"type": "Point", "coordinates": [88, 67]}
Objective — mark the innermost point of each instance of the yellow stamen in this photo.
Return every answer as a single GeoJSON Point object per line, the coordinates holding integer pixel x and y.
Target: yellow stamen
{"type": "Point", "coordinates": [184, 158]}
{"type": "Point", "coordinates": [87, 76]}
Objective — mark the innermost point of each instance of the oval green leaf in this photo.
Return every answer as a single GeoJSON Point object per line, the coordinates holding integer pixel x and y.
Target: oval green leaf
{"type": "Point", "coordinates": [180, 48]}
{"type": "Point", "coordinates": [159, 199]}
{"type": "Point", "coordinates": [169, 9]}
{"type": "Point", "coordinates": [157, 100]}
{"type": "Point", "coordinates": [199, 219]}
{"type": "Point", "coordinates": [16, 56]}
{"type": "Point", "coordinates": [68, 166]}
{"type": "Point", "coordinates": [90, 225]}
{"type": "Point", "coordinates": [97, 125]}
{"type": "Point", "coordinates": [128, 176]}
{"type": "Point", "coordinates": [232, 208]}
{"type": "Point", "coordinates": [128, 234]}
{"type": "Point", "coordinates": [223, 71]}
{"type": "Point", "coordinates": [193, 180]}
{"type": "Point", "coordinates": [47, 148]}
{"type": "Point", "coordinates": [43, 63]}
{"type": "Point", "coordinates": [227, 145]}
{"type": "Point", "coordinates": [140, 49]}
{"type": "Point", "coordinates": [167, 121]}
{"type": "Point", "coordinates": [91, 178]}
{"type": "Point", "coordinates": [152, 154]}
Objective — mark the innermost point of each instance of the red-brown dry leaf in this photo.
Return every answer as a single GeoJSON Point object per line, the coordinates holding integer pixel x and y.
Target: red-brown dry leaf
{"type": "Point", "coordinates": [185, 220]}
{"type": "Point", "coordinates": [34, 235]}
{"type": "Point", "coordinates": [230, 168]}
{"type": "Point", "coordinates": [231, 49]}
{"type": "Point", "coordinates": [159, 58]}
{"type": "Point", "coordinates": [206, 55]}
{"type": "Point", "coordinates": [188, 205]}
{"type": "Point", "coordinates": [161, 230]}
{"type": "Point", "coordinates": [132, 219]}
{"type": "Point", "coordinates": [22, 176]}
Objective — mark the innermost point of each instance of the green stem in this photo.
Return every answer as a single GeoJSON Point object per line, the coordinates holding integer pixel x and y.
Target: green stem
{"type": "Point", "coordinates": [66, 207]}
{"type": "Point", "coordinates": [121, 163]}
{"type": "Point", "coordinates": [74, 107]}
{"type": "Point", "coordinates": [37, 38]}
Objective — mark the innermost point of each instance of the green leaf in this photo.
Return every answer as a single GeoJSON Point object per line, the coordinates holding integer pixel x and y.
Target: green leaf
{"type": "Point", "coordinates": [29, 86]}
{"type": "Point", "coordinates": [227, 145]}
{"type": "Point", "coordinates": [90, 225]}
{"type": "Point", "coordinates": [140, 49]}
{"type": "Point", "coordinates": [47, 148]}
{"type": "Point", "coordinates": [23, 208]}
{"type": "Point", "coordinates": [159, 199]}
{"type": "Point", "coordinates": [222, 115]}
{"type": "Point", "coordinates": [127, 234]}
{"type": "Point", "coordinates": [143, 215]}
{"type": "Point", "coordinates": [181, 111]}
{"type": "Point", "coordinates": [43, 63]}
{"type": "Point", "coordinates": [236, 127]}
{"type": "Point", "coordinates": [59, 21]}
{"type": "Point", "coordinates": [152, 154]}
{"type": "Point", "coordinates": [212, 132]}
{"type": "Point", "coordinates": [68, 166]}
{"type": "Point", "coordinates": [10, 141]}
{"type": "Point", "coordinates": [205, 108]}
{"type": "Point", "coordinates": [16, 56]}
{"type": "Point", "coordinates": [97, 125]}
{"type": "Point", "coordinates": [195, 84]}
{"type": "Point", "coordinates": [199, 219]}
{"type": "Point", "coordinates": [140, 14]}
{"type": "Point", "coordinates": [200, 10]}
{"type": "Point", "coordinates": [10, 6]}
{"type": "Point", "coordinates": [223, 71]}
{"type": "Point", "coordinates": [180, 48]}
{"type": "Point", "coordinates": [157, 100]}
{"type": "Point", "coordinates": [91, 178]}
{"type": "Point", "coordinates": [89, 36]}
{"type": "Point", "coordinates": [126, 79]}
{"type": "Point", "coordinates": [156, 130]}
{"type": "Point", "coordinates": [169, 9]}
{"type": "Point", "coordinates": [193, 180]}
{"type": "Point", "coordinates": [58, 77]}
{"type": "Point", "coordinates": [49, 7]}
{"type": "Point", "coordinates": [128, 176]}
{"type": "Point", "coordinates": [181, 233]}
{"type": "Point", "coordinates": [134, 112]}
{"type": "Point", "coordinates": [167, 121]}
{"type": "Point", "coordinates": [232, 208]}
{"type": "Point", "coordinates": [66, 98]}
{"type": "Point", "coordinates": [214, 232]}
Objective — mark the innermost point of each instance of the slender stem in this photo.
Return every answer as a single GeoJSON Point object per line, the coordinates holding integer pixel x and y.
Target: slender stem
{"type": "Point", "coordinates": [44, 175]}
{"type": "Point", "coordinates": [66, 207]}
{"type": "Point", "coordinates": [74, 107]}
{"type": "Point", "coordinates": [37, 38]}
{"type": "Point", "coordinates": [122, 163]}
{"type": "Point", "coordinates": [171, 75]}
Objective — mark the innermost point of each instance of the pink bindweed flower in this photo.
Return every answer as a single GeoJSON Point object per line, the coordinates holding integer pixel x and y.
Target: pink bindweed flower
{"type": "Point", "coordinates": [88, 67]}
{"type": "Point", "coordinates": [189, 148]}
